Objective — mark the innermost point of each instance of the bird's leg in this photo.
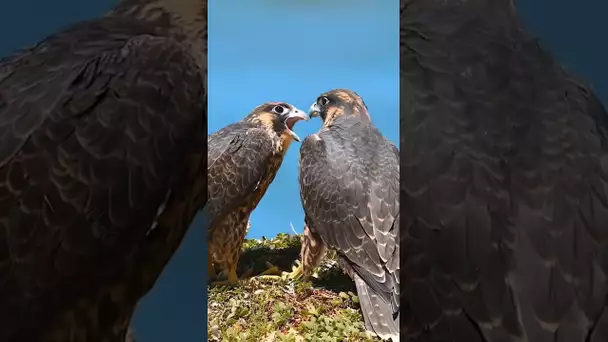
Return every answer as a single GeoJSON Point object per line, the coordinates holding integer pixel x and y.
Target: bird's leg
{"type": "Point", "coordinates": [248, 272]}
{"type": "Point", "coordinates": [313, 250]}
{"type": "Point", "coordinates": [231, 263]}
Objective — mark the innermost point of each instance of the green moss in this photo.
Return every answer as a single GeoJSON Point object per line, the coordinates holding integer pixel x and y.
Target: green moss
{"type": "Point", "coordinates": [325, 309]}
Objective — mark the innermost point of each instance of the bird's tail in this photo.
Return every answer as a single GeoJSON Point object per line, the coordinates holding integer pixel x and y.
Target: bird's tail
{"type": "Point", "coordinates": [377, 313]}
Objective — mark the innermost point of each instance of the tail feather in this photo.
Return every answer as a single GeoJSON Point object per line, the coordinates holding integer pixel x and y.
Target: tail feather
{"type": "Point", "coordinates": [377, 313]}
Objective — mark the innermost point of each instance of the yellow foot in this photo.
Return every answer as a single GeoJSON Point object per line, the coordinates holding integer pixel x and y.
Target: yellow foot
{"type": "Point", "coordinates": [233, 279]}
{"type": "Point", "coordinates": [272, 272]}
{"type": "Point", "coordinates": [297, 273]}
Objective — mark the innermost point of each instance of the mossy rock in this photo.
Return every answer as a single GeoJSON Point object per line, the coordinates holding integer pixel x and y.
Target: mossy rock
{"type": "Point", "coordinates": [325, 309]}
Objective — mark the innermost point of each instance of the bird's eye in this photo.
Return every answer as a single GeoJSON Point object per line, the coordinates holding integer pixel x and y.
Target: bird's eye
{"type": "Point", "coordinates": [278, 109]}
{"type": "Point", "coordinates": [324, 101]}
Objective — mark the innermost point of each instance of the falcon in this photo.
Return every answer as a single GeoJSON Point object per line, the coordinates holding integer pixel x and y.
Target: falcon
{"type": "Point", "coordinates": [505, 166]}
{"type": "Point", "coordinates": [349, 181]}
{"type": "Point", "coordinates": [102, 167]}
{"type": "Point", "coordinates": [243, 159]}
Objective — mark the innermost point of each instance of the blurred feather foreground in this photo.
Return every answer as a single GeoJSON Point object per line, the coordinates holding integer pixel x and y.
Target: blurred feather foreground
{"type": "Point", "coordinates": [270, 310]}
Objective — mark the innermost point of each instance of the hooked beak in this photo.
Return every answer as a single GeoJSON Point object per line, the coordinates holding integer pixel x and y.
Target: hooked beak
{"type": "Point", "coordinates": [294, 116]}
{"type": "Point", "coordinates": [314, 110]}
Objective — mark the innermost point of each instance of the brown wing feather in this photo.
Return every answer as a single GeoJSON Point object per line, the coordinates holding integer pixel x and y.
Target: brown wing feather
{"type": "Point", "coordinates": [238, 159]}
{"type": "Point", "coordinates": [95, 124]}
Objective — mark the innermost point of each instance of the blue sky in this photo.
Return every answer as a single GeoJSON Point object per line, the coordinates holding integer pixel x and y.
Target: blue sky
{"type": "Point", "coordinates": [293, 51]}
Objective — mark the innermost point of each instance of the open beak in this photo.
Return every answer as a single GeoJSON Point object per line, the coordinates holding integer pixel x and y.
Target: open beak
{"type": "Point", "coordinates": [314, 110]}
{"type": "Point", "coordinates": [294, 116]}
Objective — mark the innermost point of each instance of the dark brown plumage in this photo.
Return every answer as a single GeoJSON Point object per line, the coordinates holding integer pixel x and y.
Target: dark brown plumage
{"type": "Point", "coordinates": [504, 183]}
{"type": "Point", "coordinates": [243, 160]}
{"type": "Point", "coordinates": [349, 179]}
{"type": "Point", "coordinates": [102, 168]}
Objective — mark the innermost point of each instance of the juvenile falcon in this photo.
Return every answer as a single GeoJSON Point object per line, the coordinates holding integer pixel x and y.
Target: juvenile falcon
{"type": "Point", "coordinates": [349, 181]}
{"type": "Point", "coordinates": [505, 182]}
{"type": "Point", "coordinates": [243, 159]}
{"type": "Point", "coordinates": [102, 167]}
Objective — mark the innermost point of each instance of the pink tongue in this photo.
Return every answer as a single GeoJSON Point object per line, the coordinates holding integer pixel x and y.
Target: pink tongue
{"type": "Point", "coordinates": [291, 122]}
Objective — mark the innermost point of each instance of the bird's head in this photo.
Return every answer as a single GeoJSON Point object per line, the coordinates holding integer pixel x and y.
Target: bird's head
{"type": "Point", "coordinates": [336, 103]}
{"type": "Point", "coordinates": [280, 117]}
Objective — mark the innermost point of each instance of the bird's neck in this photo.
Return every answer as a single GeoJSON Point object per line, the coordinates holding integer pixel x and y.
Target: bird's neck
{"type": "Point", "coordinates": [182, 20]}
{"type": "Point", "coordinates": [286, 140]}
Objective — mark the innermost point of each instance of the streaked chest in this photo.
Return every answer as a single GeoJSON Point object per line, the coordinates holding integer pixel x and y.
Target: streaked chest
{"type": "Point", "coordinates": [280, 147]}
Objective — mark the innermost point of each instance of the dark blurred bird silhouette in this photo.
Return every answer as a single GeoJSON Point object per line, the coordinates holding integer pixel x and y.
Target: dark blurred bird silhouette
{"type": "Point", "coordinates": [102, 167]}
{"type": "Point", "coordinates": [504, 182]}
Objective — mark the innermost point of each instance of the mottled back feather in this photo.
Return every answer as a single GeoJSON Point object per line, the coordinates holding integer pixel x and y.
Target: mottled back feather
{"type": "Point", "coordinates": [238, 159]}
{"type": "Point", "coordinates": [504, 183]}
{"type": "Point", "coordinates": [96, 126]}
{"type": "Point", "coordinates": [349, 178]}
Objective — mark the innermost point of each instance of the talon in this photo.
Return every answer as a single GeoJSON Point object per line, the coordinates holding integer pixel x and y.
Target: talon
{"type": "Point", "coordinates": [273, 272]}
{"type": "Point", "coordinates": [232, 280]}
{"type": "Point", "coordinates": [295, 274]}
